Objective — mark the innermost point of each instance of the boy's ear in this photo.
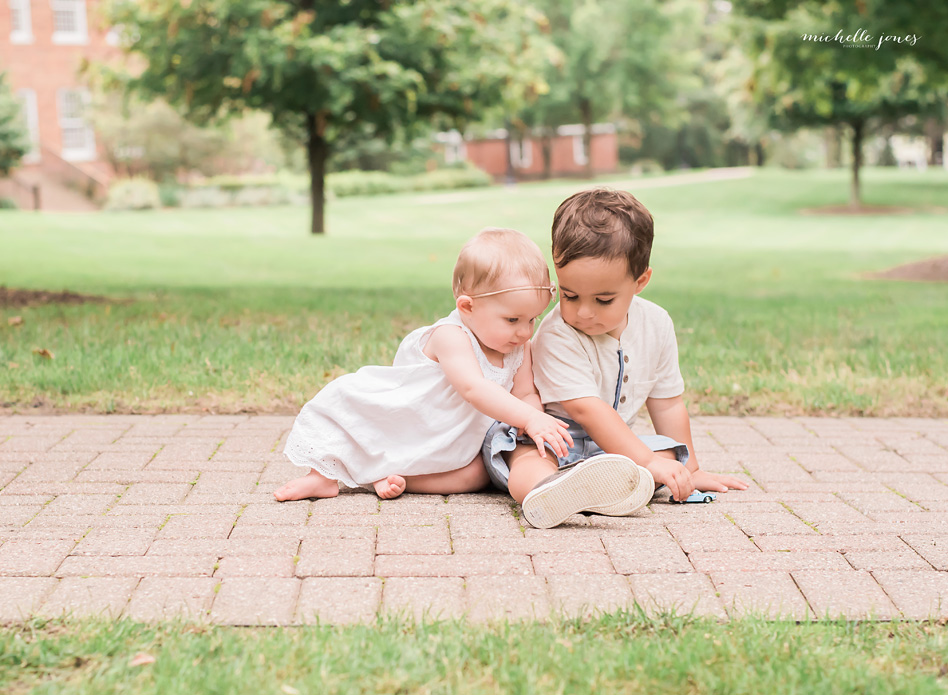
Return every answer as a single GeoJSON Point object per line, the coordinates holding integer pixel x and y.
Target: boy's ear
{"type": "Point", "coordinates": [642, 280]}
{"type": "Point", "coordinates": [464, 304]}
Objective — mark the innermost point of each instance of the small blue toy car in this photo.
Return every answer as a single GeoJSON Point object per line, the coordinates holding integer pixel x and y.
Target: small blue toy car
{"type": "Point", "coordinates": [696, 496]}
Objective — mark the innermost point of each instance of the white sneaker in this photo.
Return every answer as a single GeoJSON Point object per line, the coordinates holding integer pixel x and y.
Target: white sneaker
{"type": "Point", "coordinates": [638, 498]}
{"type": "Point", "coordinates": [607, 484]}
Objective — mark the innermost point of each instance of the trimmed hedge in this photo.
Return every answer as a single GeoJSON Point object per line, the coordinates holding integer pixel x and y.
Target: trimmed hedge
{"type": "Point", "coordinates": [285, 189]}
{"type": "Point", "coordinates": [347, 183]}
{"type": "Point", "coordinates": [133, 194]}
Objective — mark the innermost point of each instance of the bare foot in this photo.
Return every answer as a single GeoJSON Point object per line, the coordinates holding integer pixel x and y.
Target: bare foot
{"type": "Point", "coordinates": [312, 484]}
{"type": "Point", "coordinates": [390, 488]}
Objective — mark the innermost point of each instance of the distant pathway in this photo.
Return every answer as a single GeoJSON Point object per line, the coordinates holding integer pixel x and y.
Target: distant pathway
{"type": "Point", "coordinates": [157, 516]}
{"type": "Point", "coordinates": [632, 184]}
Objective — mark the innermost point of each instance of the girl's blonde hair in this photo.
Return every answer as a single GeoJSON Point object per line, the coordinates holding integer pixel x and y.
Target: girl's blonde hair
{"type": "Point", "coordinates": [498, 254]}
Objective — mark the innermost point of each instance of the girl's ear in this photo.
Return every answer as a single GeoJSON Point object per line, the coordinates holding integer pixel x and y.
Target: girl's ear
{"type": "Point", "coordinates": [464, 304]}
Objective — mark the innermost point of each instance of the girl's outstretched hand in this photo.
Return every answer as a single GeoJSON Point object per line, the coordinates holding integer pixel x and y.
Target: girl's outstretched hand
{"type": "Point", "coordinates": [546, 428]}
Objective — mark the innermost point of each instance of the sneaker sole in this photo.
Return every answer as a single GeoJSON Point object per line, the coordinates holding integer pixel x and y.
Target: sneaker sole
{"type": "Point", "coordinates": [637, 500]}
{"type": "Point", "coordinates": [603, 481]}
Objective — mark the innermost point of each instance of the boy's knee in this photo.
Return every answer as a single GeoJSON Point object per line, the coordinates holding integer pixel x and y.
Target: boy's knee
{"type": "Point", "coordinates": [526, 457]}
{"type": "Point", "coordinates": [519, 452]}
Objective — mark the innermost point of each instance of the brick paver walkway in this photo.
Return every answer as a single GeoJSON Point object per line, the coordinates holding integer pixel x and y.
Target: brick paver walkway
{"type": "Point", "coordinates": [159, 516]}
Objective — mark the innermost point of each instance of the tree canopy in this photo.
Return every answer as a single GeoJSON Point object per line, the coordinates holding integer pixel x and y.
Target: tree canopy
{"type": "Point", "coordinates": [327, 69]}
{"type": "Point", "coordinates": [615, 60]}
{"type": "Point", "coordinates": [855, 64]}
{"type": "Point", "coordinates": [14, 140]}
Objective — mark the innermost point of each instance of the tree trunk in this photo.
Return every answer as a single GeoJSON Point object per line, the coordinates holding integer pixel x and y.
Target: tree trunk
{"type": "Point", "coordinates": [935, 131]}
{"type": "Point", "coordinates": [546, 145]}
{"type": "Point", "coordinates": [855, 199]}
{"type": "Point", "coordinates": [510, 178]}
{"type": "Point", "coordinates": [752, 155]}
{"type": "Point", "coordinates": [317, 151]}
{"type": "Point", "coordinates": [834, 150]}
{"type": "Point", "coordinates": [759, 154]}
{"type": "Point", "coordinates": [585, 108]}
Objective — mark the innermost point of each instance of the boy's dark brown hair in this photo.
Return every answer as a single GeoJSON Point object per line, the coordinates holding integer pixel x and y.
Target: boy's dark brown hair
{"type": "Point", "coordinates": [603, 223]}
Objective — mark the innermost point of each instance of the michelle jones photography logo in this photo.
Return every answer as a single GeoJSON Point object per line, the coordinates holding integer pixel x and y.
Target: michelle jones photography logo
{"type": "Point", "coordinates": [862, 39]}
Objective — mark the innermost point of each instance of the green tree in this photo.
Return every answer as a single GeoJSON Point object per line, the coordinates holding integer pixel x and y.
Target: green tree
{"type": "Point", "coordinates": [705, 128]}
{"type": "Point", "coordinates": [616, 60]}
{"type": "Point", "coordinates": [831, 64]}
{"type": "Point", "coordinates": [729, 69]}
{"type": "Point", "coordinates": [14, 140]}
{"type": "Point", "coordinates": [328, 69]}
{"type": "Point", "coordinates": [916, 16]}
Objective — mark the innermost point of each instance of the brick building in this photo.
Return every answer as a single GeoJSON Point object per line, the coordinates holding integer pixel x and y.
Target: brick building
{"type": "Point", "coordinates": [43, 44]}
{"type": "Point", "coordinates": [567, 152]}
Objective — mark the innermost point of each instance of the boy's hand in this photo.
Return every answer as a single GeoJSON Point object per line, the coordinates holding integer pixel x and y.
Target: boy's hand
{"type": "Point", "coordinates": [541, 427]}
{"type": "Point", "coordinates": [712, 482]}
{"type": "Point", "coordinates": [672, 474]}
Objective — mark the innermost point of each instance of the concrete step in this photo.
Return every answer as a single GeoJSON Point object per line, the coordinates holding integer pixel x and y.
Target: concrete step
{"type": "Point", "coordinates": [55, 196]}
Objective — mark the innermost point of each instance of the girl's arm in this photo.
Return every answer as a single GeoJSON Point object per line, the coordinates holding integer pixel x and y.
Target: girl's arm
{"type": "Point", "coordinates": [524, 387]}
{"type": "Point", "coordinates": [450, 346]}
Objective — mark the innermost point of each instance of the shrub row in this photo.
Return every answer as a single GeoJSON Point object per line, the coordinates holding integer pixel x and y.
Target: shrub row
{"type": "Point", "coordinates": [133, 194]}
{"type": "Point", "coordinates": [347, 183]}
{"type": "Point", "coordinates": [224, 191]}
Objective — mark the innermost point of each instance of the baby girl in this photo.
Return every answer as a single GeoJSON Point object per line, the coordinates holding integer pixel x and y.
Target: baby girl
{"type": "Point", "coordinates": [419, 424]}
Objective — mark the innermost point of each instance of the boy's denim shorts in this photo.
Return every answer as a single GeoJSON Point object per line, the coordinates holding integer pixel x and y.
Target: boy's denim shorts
{"type": "Point", "coordinates": [501, 438]}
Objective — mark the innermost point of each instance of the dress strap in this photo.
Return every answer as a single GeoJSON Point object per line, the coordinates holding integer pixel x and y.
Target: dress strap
{"type": "Point", "coordinates": [486, 367]}
{"type": "Point", "coordinates": [512, 361]}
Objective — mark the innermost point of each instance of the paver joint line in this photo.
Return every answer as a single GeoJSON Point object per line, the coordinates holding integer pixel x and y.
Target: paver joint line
{"type": "Point", "coordinates": [156, 517]}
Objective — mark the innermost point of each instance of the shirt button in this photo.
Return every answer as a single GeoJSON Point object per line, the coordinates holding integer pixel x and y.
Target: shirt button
{"type": "Point", "coordinates": [622, 400]}
{"type": "Point", "coordinates": [626, 358]}
{"type": "Point", "coordinates": [625, 379]}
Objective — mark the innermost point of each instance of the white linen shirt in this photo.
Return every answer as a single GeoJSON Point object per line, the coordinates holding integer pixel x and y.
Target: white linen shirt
{"type": "Point", "coordinates": [569, 364]}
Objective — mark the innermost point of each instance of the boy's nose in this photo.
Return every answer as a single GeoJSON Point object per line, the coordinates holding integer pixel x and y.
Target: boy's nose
{"type": "Point", "coordinates": [585, 312]}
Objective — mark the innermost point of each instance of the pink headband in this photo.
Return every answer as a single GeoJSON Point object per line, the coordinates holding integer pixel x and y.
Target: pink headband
{"type": "Point", "coordinates": [549, 288]}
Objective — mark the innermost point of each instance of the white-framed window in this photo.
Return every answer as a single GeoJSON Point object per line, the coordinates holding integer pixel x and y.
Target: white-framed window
{"type": "Point", "coordinates": [521, 153]}
{"type": "Point", "coordinates": [580, 156]}
{"type": "Point", "coordinates": [27, 99]}
{"type": "Point", "coordinates": [78, 140]}
{"type": "Point", "coordinates": [455, 152]}
{"type": "Point", "coordinates": [21, 22]}
{"type": "Point", "coordinates": [69, 21]}
{"type": "Point", "coordinates": [454, 149]}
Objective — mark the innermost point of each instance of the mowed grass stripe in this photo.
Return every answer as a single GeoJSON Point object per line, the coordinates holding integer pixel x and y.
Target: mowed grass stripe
{"type": "Point", "coordinates": [617, 653]}
{"type": "Point", "coordinates": [240, 309]}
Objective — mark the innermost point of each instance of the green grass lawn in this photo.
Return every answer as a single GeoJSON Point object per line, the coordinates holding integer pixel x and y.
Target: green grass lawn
{"type": "Point", "coordinates": [241, 310]}
{"type": "Point", "coordinates": [619, 653]}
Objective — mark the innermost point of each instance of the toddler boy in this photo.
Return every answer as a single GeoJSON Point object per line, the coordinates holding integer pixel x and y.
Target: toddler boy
{"type": "Point", "coordinates": [599, 355]}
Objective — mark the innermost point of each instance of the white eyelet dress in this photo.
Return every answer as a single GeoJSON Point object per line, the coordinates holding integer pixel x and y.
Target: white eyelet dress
{"type": "Point", "coordinates": [405, 419]}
